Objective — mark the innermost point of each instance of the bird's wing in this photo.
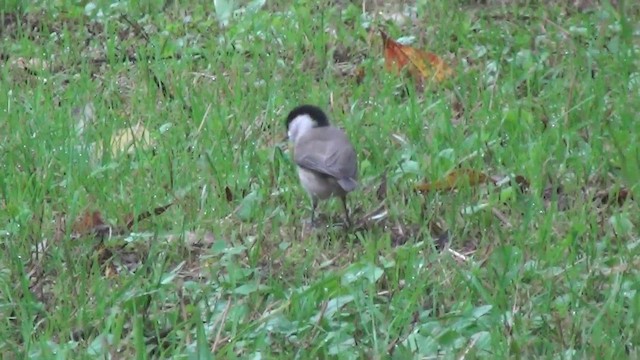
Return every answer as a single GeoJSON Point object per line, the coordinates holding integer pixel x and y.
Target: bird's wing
{"type": "Point", "coordinates": [329, 152]}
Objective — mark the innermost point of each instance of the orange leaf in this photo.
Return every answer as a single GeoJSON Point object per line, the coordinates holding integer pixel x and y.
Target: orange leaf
{"type": "Point", "coordinates": [87, 222]}
{"type": "Point", "coordinates": [422, 64]}
{"type": "Point", "coordinates": [453, 179]}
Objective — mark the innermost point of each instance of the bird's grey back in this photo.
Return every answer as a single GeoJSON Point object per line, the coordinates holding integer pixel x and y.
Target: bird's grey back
{"type": "Point", "coordinates": [327, 150]}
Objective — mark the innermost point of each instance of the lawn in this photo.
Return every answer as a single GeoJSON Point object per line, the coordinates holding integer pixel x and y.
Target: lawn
{"type": "Point", "coordinates": [149, 206]}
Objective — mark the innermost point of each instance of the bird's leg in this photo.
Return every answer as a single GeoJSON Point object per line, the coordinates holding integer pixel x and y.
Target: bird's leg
{"type": "Point", "coordinates": [346, 210]}
{"type": "Point", "coordinates": [314, 205]}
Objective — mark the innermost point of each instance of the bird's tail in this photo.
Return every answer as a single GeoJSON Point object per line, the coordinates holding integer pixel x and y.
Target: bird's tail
{"type": "Point", "coordinates": [348, 184]}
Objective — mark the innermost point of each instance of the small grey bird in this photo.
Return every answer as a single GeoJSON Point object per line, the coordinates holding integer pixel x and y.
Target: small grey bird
{"type": "Point", "coordinates": [327, 163]}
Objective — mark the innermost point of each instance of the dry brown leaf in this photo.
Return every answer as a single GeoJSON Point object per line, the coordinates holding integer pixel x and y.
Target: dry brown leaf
{"type": "Point", "coordinates": [381, 193]}
{"type": "Point", "coordinates": [454, 179]}
{"type": "Point", "coordinates": [359, 74]}
{"type": "Point", "coordinates": [110, 271]}
{"type": "Point", "coordinates": [228, 194]}
{"type": "Point", "coordinates": [34, 64]}
{"type": "Point", "coordinates": [195, 239]}
{"type": "Point", "coordinates": [609, 197]}
{"type": "Point", "coordinates": [90, 222]}
{"type": "Point", "coordinates": [441, 236]}
{"type": "Point", "coordinates": [523, 182]}
{"type": "Point", "coordinates": [422, 65]}
{"type": "Point", "coordinates": [103, 256]}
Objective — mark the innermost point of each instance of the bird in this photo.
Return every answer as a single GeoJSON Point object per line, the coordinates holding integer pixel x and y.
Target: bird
{"type": "Point", "coordinates": [326, 161]}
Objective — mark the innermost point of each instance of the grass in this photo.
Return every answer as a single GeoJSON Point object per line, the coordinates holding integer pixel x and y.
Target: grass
{"type": "Point", "coordinates": [547, 92]}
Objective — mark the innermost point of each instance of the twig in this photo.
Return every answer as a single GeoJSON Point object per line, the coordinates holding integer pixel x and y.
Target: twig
{"type": "Point", "coordinates": [392, 345]}
{"type": "Point", "coordinates": [457, 254]}
{"type": "Point", "coordinates": [497, 213]}
{"type": "Point", "coordinates": [220, 324]}
{"type": "Point", "coordinates": [466, 351]}
{"type": "Point", "coordinates": [138, 29]}
{"type": "Point", "coordinates": [204, 117]}
{"type": "Point", "coordinates": [161, 85]}
{"type": "Point", "coordinates": [157, 211]}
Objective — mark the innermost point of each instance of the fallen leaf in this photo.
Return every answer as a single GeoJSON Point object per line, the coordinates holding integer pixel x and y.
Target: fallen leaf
{"type": "Point", "coordinates": [85, 117]}
{"type": "Point", "coordinates": [34, 64]}
{"type": "Point", "coordinates": [402, 233]}
{"type": "Point", "coordinates": [519, 180]}
{"type": "Point", "coordinates": [248, 207]}
{"type": "Point", "coordinates": [198, 240]}
{"type": "Point", "coordinates": [556, 192]}
{"type": "Point", "coordinates": [358, 74]}
{"type": "Point", "coordinates": [458, 111]}
{"type": "Point", "coordinates": [127, 140]}
{"type": "Point", "coordinates": [609, 197]}
{"type": "Point", "coordinates": [523, 182]}
{"type": "Point", "coordinates": [381, 193]}
{"type": "Point", "coordinates": [439, 234]}
{"type": "Point", "coordinates": [228, 194]}
{"type": "Point", "coordinates": [104, 257]}
{"type": "Point", "coordinates": [90, 222]}
{"type": "Point", "coordinates": [422, 65]}
{"type": "Point", "coordinates": [453, 179]}
{"type": "Point", "coordinates": [110, 270]}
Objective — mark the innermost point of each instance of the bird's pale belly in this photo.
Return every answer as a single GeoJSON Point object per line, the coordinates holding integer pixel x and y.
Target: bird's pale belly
{"type": "Point", "coordinates": [321, 187]}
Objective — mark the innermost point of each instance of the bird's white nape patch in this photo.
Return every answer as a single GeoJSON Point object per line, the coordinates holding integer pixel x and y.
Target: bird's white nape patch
{"type": "Point", "coordinates": [299, 125]}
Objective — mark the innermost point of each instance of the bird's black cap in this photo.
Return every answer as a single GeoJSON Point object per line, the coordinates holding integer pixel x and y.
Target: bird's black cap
{"type": "Point", "coordinates": [314, 113]}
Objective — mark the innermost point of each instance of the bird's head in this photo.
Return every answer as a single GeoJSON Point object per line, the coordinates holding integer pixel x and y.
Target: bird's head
{"type": "Point", "coordinates": [303, 118]}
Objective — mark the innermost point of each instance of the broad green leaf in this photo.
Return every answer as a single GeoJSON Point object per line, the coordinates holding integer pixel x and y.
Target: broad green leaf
{"type": "Point", "coordinates": [359, 271]}
{"type": "Point", "coordinates": [203, 349]}
{"type": "Point", "coordinates": [224, 10]}
{"type": "Point", "coordinates": [332, 307]}
{"type": "Point", "coordinates": [481, 310]}
{"type": "Point", "coordinates": [247, 289]}
{"type": "Point", "coordinates": [248, 206]}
